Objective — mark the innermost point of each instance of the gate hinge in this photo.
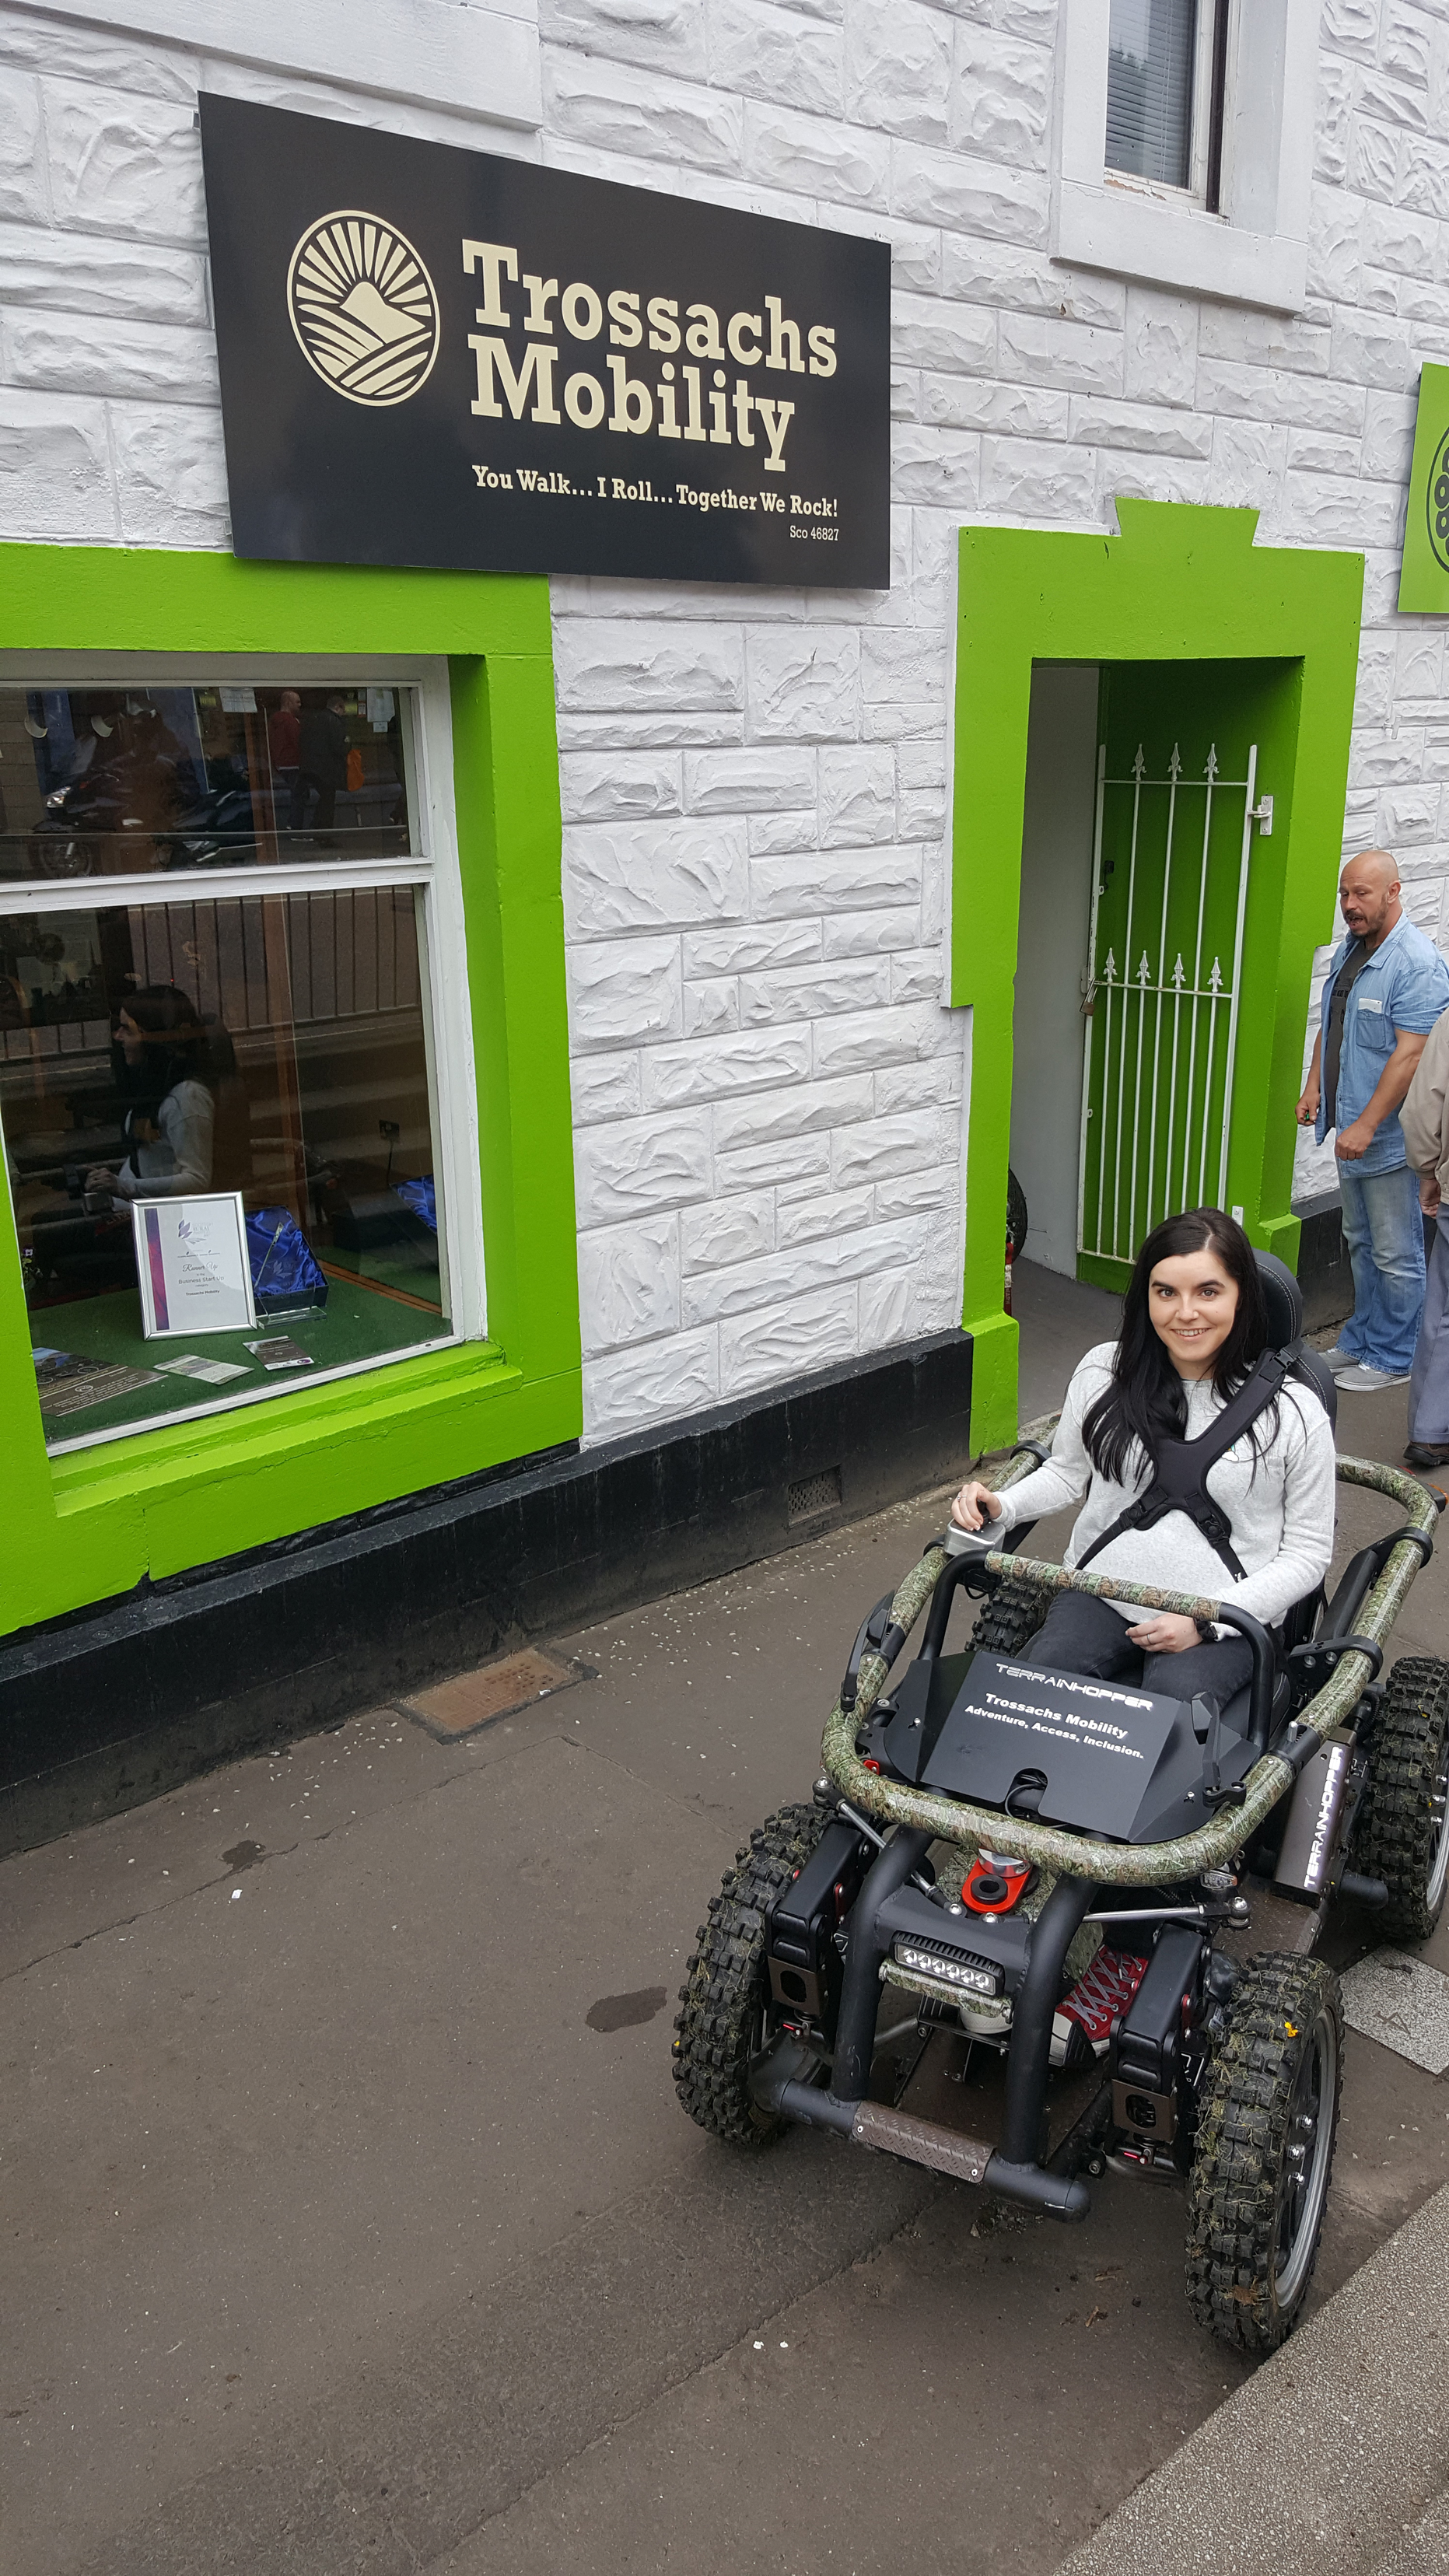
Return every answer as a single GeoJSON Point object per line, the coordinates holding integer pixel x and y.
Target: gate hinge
{"type": "Point", "coordinates": [1262, 815]}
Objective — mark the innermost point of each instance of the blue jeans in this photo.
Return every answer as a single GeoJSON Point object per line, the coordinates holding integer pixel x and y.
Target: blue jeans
{"type": "Point", "coordinates": [1385, 1236]}
{"type": "Point", "coordinates": [1429, 1385]}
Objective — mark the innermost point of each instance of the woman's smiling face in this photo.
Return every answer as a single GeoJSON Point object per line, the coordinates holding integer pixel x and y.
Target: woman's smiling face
{"type": "Point", "coordinates": [1193, 1303]}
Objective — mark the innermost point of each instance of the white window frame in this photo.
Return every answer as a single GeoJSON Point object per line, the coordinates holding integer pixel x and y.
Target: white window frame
{"type": "Point", "coordinates": [1255, 249]}
{"type": "Point", "coordinates": [432, 869]}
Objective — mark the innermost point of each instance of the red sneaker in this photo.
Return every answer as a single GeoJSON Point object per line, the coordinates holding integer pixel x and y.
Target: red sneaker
{"type": "Point", "coordinates": [1082, 2023]}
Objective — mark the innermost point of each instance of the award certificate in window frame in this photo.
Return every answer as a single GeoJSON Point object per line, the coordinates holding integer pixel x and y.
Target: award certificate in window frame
{"type": "Point", "coordinates": [191, 1266]}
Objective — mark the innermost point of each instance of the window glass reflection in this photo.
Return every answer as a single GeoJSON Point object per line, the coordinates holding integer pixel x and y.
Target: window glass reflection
{"type": "Point", "coordinates": [1151, 59]}
{"type": "Point", "coordinates": [273, 1046]}
{"type": "Point", "coordinates": [110, 781]}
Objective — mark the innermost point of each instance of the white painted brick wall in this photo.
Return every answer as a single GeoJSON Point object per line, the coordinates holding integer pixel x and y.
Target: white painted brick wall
{"type": "Point", "coordinates": [768, 1093]}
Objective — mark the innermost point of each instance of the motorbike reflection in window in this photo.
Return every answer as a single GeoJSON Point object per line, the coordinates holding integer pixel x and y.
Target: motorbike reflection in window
{"type": "Point", "coordinates": [108, 782]}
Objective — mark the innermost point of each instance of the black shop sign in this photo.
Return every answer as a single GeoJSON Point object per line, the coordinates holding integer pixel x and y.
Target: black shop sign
{"type": "Point", "coordinates": [432, 356]}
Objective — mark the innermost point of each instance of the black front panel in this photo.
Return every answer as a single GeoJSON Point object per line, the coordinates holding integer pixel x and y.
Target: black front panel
{"type": "Point", "coordinates": [1095, 1755]}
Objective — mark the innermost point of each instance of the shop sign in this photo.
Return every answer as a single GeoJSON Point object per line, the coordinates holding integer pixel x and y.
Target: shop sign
{"type": "Point", "coordinates": [434, 356]}
{"type": "Point", "coordinates": [1424, 573]}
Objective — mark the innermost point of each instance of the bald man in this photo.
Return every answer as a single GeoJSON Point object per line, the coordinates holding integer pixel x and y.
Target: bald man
{"type": "Point", "coordinates": [1386, 987]}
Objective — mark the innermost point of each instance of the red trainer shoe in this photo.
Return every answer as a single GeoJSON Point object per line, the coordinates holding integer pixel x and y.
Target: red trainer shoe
{"type": "Point", "coordinates": [1082, 2023]}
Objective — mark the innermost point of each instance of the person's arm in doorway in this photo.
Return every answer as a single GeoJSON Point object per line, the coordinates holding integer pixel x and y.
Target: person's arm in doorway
{"type": "Point", "coordinates": [1424, 1117]}
{"type": "Point", "coordinates": [1307, 1111]}
{"type": "Point", "coordinates": [1388, 1095]}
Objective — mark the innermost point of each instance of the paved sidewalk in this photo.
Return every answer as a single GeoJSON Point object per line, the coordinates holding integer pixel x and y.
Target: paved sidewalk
{"type": "Point", "coordinates": [1333, 2459]}
{"type": "Point", "coordinates": [352, 2224]}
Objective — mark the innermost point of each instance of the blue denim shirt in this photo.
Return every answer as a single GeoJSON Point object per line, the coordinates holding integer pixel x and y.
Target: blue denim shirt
{"type": "Point", "coordinates": [1405, 985]}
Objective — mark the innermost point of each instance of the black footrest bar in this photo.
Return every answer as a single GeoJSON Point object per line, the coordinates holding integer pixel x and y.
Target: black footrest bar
{"type": "Point", "coordinates": [925, 2142]}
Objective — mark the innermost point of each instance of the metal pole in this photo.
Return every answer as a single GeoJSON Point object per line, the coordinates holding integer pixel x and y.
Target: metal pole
{"type": "Point", "coordinates": [1243, 865]}
{"type": "Point", "coordinates": [1091, 996]}
{"type": "Point", "coordinates": [1174, 770]}
{"type": "Point", "coordinates": [1207, 822]}
{"type": "Point", "coordinates": [1138, 765]}
{"type": "Point", "coordinates": [1215, 994]}
{"type": "Point", "coordinates": [1143, 977]}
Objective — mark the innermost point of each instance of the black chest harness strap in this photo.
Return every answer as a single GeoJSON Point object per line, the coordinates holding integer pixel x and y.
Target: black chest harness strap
{"type": "Point", "coordinates": [1179, 1482]}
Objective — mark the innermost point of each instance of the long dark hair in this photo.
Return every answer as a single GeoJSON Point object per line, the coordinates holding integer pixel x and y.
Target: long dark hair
{"type": "Point", "coordinates": [1146, 1401]}
{"type": "Point", "coordinates": [177, 1047]}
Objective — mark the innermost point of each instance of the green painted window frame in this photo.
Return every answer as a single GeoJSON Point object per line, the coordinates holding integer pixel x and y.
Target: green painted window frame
{"type": "Point", "coordinates": [1181, 583]}
{"type": "Point", "coordinates": [86, 1527]}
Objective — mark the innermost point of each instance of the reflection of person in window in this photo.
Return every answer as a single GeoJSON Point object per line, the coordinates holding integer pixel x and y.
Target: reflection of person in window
{"type": "Point", "coordinates": [169, 1125]}
{"type": "Point", "coordinates": [322, 761]}
{"type": "Point", "coordinates": [285, 731]}
{"type": "Point", "coordinates": [284, 737]}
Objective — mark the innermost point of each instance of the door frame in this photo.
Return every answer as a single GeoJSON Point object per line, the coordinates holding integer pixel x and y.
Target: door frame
{"type": "Point", "coordinates": [1181, 583]}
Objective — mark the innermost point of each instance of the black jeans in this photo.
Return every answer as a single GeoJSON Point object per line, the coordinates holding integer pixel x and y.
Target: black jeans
{"type": "Point", "coordinates": [325, 790]}
{"type": "Point", "coordinates": [1081, 1634]}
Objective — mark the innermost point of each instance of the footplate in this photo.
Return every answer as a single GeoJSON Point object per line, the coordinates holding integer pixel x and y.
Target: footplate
{"type": "Point", "coordinates": [920, 2142]}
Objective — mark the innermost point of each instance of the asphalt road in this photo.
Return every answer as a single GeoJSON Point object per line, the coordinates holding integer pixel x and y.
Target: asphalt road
{"type": "Point", "coordinates": [353, 2225]}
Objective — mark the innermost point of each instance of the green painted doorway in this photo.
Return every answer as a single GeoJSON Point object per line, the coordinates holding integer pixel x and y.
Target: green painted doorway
{"type": "Point", "coordinates": [1246, 643]}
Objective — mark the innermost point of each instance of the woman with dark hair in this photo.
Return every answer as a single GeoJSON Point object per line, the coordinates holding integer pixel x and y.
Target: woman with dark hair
{"type": "Point", "coordinates": [1194, 1326]}
{"type": "Point", "coordinates": [167, 1075]}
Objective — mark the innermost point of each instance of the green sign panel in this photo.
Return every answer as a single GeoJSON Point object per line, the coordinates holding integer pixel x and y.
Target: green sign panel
{"type": "Point", "coordinates": [1424, 578]}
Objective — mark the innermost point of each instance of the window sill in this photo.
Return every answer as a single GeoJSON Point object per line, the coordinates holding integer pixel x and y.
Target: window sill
{"type": "Point", "coordinates": [1135, 234]}
{"type": "Point", "coordinates": [203, 1448]}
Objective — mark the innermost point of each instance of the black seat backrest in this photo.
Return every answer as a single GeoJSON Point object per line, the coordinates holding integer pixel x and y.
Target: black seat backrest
{"type": "Point", "coordinates": [1285, 1323]}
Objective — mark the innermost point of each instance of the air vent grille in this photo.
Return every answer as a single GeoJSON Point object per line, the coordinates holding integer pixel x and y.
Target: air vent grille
{"type": "Point", "coordinates": [813, 1496]}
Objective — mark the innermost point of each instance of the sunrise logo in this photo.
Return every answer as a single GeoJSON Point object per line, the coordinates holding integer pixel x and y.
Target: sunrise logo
{"type": "Point", "coordinates": [363, 308]}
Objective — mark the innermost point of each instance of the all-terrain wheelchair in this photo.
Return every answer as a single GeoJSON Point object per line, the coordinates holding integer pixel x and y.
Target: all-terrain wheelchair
{"type": "Point", "coordinates": [982, 1826]}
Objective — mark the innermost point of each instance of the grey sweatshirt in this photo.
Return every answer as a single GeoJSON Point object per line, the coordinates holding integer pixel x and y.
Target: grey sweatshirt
{"type": "Point", "coordinates": [1424, 1117]}
{"type": "Point", "coordinates": [1280, 1506]}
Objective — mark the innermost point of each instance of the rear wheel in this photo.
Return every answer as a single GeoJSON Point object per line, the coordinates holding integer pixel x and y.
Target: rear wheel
{"type": "Point", "coordinates": [1012, 1616]}
{"type": "Point", "coordinates": [725, 1996]}
{"type": "Point", "coordinates": [1402, 1838]}
{"type": "Point", "coordinates": [1267, 2121]}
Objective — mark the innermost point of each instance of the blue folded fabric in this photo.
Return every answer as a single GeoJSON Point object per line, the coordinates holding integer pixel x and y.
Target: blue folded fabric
{"type": "Point", "coordinates": [422, 1197]}
{"type": "Point", "coordinates": [283, 1267]}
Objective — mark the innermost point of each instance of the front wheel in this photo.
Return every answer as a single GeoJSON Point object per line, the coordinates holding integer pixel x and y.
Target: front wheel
{"type": "Point", "coordinates": [1267, 2122]}
{"type": "Point", "coordinates": [725, 1997]}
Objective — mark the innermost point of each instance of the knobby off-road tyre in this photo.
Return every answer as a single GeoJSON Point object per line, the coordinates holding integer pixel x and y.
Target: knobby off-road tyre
{"type": "Point", "coordinates": [726, 1986]}
{"type": "Point", "coordinates": [1402, 1837]}
{"type": "Point", "coordinates": [1012, 1616]}
{"type": "Point", "coordinates": [1267, 2121]}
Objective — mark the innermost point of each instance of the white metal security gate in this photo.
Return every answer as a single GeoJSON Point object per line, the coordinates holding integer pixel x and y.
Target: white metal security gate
{"type": "Point", "coordinates": [1161, 993]}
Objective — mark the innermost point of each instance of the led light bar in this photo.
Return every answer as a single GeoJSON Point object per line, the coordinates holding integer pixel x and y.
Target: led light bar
{"type": "Point", "coordinates": [951, 1971]}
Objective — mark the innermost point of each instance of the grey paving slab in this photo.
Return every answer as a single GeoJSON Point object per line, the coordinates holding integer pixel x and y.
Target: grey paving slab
{"type": "Point", "coordinates": [1317, 2464]}
{"type": "Point", "coordinates": [1403, 2003]}
{"type": "Point", "coordinates": [1422, 2550]}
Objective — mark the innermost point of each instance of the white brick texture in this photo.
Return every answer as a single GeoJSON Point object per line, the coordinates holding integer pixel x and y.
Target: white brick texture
{"type": "Point", "coordinates": [767, 1087]}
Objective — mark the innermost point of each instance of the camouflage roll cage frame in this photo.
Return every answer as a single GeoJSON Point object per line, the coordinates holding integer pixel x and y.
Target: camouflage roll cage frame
{"type": "Point", "coordinates": [1055, 1848]}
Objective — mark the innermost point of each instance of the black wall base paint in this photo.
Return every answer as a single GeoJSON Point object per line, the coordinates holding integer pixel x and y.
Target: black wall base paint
{"type": "Point", "coordinates": [1323, 1268]}
{"type": "Point", "coordinates": [1323, 1272]}
{"type": "Point", "coordinates": [102, 1710]}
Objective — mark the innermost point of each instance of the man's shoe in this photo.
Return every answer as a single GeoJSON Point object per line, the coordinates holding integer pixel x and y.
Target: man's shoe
{"type": "Point", "coordinates": [1338, 1359]}
{"type": "Point", "coordinates": [1427, 1453]}
{"type": "Point", "coordinates": [1082, 2023]}
{"type": "Point", "coordinates": [1370, 1381]}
